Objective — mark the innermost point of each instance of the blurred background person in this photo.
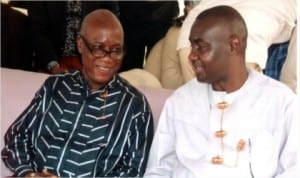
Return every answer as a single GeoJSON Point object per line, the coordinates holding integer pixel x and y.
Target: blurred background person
{"type": "Point", "coordinates": [144, 23]}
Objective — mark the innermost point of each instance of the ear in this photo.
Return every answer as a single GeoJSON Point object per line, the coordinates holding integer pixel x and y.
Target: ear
{"type": "Point", "coordinates": [235, 44]}
{"type": "Point", "coordinates": [79, 44]}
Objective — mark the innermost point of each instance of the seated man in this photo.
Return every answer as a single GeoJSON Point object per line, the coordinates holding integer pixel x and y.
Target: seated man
{"type": "Point", "coordinates": [229, 121]}
{"type": "Point", "coordinates": [88, 123]}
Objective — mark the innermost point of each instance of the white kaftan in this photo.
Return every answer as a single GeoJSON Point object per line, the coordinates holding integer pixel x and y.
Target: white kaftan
{"type": "Point", "coordinates": [261, 113]}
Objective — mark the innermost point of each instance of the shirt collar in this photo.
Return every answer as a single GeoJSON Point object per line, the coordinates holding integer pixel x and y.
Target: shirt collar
{"type": "Point", "coordinates": [113, 83]}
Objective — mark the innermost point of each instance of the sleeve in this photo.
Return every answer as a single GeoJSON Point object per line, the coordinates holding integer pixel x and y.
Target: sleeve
{"type": "Point", "coordinates": [289, 68]}
{"type": "Point", "coordinates": [17, 153]}
{"type": "Point", "coordinates": [183, 38]}
{"type": "Point", "coordinates": [171, 74]}
{"type": "Point", "coordinates": [135, 156]}
{"type": "Point", "coordinates": [162, 158]}
{"type": "Point", "coordinates": [288, 158]}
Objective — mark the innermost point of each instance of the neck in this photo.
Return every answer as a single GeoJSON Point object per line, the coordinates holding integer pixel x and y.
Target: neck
{"type": "Point", "coordinates": [93, 85]}
{"type": "Point", "coordinates": [232, 83]}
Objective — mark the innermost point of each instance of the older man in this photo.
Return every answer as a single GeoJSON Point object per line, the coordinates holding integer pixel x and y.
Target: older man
{"type": "Point", "coordinates": [230, 121]}
{"type": "Point", "coordinates": [89, 123]}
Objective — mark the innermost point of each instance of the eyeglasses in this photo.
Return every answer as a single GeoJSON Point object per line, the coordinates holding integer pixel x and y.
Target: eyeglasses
{"type": "Point", "coordinates": [100, 52]}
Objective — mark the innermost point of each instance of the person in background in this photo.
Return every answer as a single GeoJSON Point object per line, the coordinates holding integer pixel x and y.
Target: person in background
{"type": "Point", "coordinates": [144, 23]}
{"type": "Point", "coordinates": [276, 57]}
{"type": "Point", "coordinates": [162, 60]}
{"type": "Point", "coordinates": [88, 123]}
{"type": "Point", "coordinates": [289, 68]}
{"type": "Point", "coordinates": [54, 26]}
{"type": "Point", "coordinates": [230, 120]}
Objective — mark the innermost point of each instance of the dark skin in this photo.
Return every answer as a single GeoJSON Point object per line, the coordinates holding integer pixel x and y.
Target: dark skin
{"type": "Point", "coordinates": [103, 29]}
{"type": "Point", "coordinates": [218, 50]}
{"type": "Point", "coordinates": [99, 28]}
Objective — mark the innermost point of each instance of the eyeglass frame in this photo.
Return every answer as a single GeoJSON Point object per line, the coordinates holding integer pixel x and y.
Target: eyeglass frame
{"type": "Point", "coordinates": [105, 52]}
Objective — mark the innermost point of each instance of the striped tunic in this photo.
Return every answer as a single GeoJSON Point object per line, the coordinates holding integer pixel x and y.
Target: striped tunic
{"type": "Point", "coordinates": [73, 132]}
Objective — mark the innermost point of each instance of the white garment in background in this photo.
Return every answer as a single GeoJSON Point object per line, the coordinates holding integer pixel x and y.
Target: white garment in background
{"type": "Point", "coordinates": [289, 69]}
{"type": "Point", "coordinates": [268, 22]}
{"type": "Point", "coordinates": [261, 112]}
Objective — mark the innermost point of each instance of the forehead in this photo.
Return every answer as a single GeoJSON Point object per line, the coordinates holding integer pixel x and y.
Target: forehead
{"type": "Point", "coordinates": [99, 24]}
{"type": "Point", "coordinates": [102, 22]}
{"type": "Point", "coordinates": [103, 32]}
{"type": "Point", "coordinates": [207, 28]}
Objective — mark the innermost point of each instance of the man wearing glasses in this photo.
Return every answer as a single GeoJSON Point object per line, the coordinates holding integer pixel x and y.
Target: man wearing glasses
{"type": "Point", "coordinates": [88, 123]}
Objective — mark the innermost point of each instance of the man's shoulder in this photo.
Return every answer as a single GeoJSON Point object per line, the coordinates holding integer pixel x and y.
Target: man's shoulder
{"type": "Point", "coordinates": [268, 84]}
{"type": "Point", "coordinates": [73, 76]}
{"type": "Point", "coordinates": [128, 88]}
{"type": "Point", "coordinates": [193, 89]}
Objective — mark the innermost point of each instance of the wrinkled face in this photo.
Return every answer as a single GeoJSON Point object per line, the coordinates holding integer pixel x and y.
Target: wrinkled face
{"type": "Point", "coordinates": [101, 49]}
{"type": "Point", "coordinates": [210, 51]}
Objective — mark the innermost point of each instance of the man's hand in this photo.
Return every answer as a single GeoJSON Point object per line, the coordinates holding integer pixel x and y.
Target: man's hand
{"type": "Point", "coordinates": [44, 173]}
{"type": "Point", "coordinates": [58, 70]}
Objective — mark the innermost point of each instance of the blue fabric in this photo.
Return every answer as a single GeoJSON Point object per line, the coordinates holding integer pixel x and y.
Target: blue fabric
{"type": "Point", "coordinates": [276, 58]}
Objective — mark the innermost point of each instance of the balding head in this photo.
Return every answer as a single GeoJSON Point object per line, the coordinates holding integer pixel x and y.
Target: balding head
{"type": "Point", "coordinates": [230, 18]}
{"type": "Point", "coordinates": [98, 18]}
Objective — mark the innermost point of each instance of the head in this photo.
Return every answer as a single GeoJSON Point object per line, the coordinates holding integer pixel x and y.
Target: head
{"type": "Point", "coordinates": [218, 39]}
{"type": "Point", "coordinates": [100, 43]}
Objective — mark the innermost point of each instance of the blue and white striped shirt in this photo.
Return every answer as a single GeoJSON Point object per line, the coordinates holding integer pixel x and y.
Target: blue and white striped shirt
{"type": "Point", "coordinates": [73, 132]}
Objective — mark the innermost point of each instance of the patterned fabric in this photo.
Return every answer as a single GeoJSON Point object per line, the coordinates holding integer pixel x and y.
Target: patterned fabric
{"type": "Point", "coordinates": [73, 20]}
{"type": "Point", "coordinates": [276, 57]}
{"type": "Point", "coordinates": [73, 132]}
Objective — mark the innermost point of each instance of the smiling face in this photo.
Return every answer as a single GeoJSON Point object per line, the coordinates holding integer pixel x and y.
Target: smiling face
{"type": "Point", "coordinates": [218, 38]}
{"type": "Point", "coordinates": [210, 53]}
{"type": "Point", "coordinates": [101, 31]}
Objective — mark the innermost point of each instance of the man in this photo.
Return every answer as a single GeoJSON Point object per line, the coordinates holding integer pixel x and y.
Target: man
{"type": "Point", "coordinates": [229, 121]}
{"type": "Point", "coordinates": [89, 123]}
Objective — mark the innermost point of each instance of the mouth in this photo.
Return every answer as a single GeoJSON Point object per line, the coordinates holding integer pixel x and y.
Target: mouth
{"type": "Point", "coordinates": [197, 67]}
{"type": "Point", "coordinates": [103, 68]}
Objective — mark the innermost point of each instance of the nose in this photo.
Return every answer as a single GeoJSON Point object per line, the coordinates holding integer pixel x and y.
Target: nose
{"type": "Point", "coordinates": [106, 59]}
{"type": "Point", "coordinates": [193, 55]}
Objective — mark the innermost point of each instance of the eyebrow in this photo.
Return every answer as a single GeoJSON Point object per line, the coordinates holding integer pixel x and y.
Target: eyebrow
{"type": "Point", "coordinates": [197, 40]}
